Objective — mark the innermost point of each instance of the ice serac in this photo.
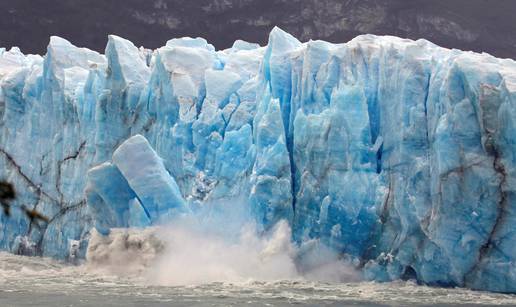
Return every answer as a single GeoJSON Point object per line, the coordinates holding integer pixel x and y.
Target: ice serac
{"type": "Point", "coordinates": [108, 194]}
{"type": "Point", "coordinates": [134, 190]}
{"type": "Point", "coordinates": [399, 155]}
{"type": "Point", "coordinates": [125, 77]}
{"type": "Point", "coordinates": [271, 192]}
{"type": "Point", "coordinates": [145, 172]}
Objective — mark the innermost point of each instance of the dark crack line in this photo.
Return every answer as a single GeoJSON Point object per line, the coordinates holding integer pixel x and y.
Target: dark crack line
{"type": "Point", "coordinates": [76, 153]}
{"type": "Point", "coordinates": [59, 214]}
{"type": "Point", "coordinates": [385, 208]}
{"type": "Point", "coordinates": [460, 169]}
{"type": "Point", "coordinates": [490, 244]}
{"type": "Point", "coordinates": [43, 158]}
{"type": "Point", "coordinates": [228, 120]}
{"type": "Point", "coordinates": [26, 178]}
{"type": "Point", "coordinates": [33, 221]}
{"type": "Point", "coordinates": [40, 193]}
{"type": "Point", "coordinates": [73, 156]}
{"type": "Point", "coordinates": [64, 210]}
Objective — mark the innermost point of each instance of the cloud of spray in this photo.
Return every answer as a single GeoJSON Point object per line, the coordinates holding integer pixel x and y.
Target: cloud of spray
{"type": "Point", "coordinates": [125, 252]}
{"type": "Point", "coordinates": [219, 243]}
{"type": "Point", "coordinates": [196, 257]}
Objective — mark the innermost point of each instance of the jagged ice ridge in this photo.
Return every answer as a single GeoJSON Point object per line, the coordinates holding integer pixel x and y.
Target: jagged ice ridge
{"type": "Point", "coordinates": [398, 153]}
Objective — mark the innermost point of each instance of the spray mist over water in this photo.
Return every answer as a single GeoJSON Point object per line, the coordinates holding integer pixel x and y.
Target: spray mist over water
{"type": "Point", "coordinates": [218, 243]}
{"type": "Point", "coordinates": [195, 257]}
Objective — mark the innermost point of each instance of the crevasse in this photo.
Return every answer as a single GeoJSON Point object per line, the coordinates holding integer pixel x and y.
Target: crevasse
{"type": "Point", "coordinates": [398, 153]}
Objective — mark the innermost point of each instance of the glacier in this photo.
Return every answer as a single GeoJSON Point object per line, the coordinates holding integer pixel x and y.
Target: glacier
{"type": "Point", "coordinates": [398, 154]}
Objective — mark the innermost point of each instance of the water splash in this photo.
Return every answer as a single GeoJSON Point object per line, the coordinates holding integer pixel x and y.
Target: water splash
{"type": "Point", "coordinates": [219, 243]}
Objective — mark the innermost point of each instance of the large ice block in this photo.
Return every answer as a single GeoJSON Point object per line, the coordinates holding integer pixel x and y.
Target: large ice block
{"type": "Point", "coordinates": [146, 174]}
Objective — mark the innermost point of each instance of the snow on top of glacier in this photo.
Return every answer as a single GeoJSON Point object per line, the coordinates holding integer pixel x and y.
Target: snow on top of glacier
{"type": "Point", "coordinates": [14, 59]}
{"type": "Point", "coordinates": [193, 51]}
{"type": "Point", "coordinates": [131, 66]}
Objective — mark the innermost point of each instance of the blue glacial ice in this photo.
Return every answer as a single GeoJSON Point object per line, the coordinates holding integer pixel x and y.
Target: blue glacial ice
{"type": "Point", "coordinates": [396, 153]}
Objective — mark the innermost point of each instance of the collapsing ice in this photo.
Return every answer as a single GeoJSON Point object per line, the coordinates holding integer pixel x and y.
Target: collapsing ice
{"type": "Point", "coordinates": [398, 154]}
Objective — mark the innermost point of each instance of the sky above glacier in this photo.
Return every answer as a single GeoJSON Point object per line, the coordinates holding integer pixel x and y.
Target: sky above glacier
{"type": "Point", "coordinates": [480, 25]}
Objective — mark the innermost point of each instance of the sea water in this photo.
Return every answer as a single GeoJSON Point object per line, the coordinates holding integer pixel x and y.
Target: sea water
{"type": "Point", "coordinates": [34, 281]}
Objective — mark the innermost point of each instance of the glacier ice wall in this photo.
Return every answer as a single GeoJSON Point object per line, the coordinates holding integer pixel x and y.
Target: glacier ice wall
{"type": "Point", "coordinates": [399, 153]}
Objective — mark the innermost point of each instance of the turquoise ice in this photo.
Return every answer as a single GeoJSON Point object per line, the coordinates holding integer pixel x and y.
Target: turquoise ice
{"type": "Point", "coordinates": [398, 154]}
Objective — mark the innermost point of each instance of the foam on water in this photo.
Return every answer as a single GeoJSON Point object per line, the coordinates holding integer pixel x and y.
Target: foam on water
{"type": "Point", "coordinates": [26, 281]}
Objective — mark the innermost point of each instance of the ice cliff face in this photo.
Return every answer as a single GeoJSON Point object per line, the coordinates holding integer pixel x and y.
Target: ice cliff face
{"type": "Point", "coordinates": [398, 153]}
